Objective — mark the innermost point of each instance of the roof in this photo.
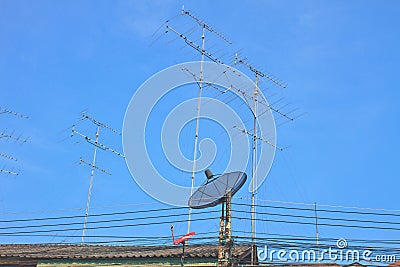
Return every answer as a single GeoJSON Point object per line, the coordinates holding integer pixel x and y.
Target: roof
{"type": "Point", "coordinates": [355, 264]}
{"type": "Point", "coordinates": [309, 265]}
{"type": "Point", "coordinates": [64, 251]}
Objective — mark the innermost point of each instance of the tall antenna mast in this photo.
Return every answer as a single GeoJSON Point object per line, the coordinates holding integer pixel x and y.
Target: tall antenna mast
{"type": "Point", "coordinates": [257, 74]}
{"type": "Point", "coordinates": [204, 54]}
{"type": "Point", "coordinates": [196, 138]}
{"type": "Point", "coordinates": [96, 144]}
{"type": "Point", "coordinates": [254, 176]}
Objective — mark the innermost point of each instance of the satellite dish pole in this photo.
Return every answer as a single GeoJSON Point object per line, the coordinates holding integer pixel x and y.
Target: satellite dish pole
{"type": "Point", "coordinates": [225, 241]}
{"type": "Point", "coordinates": [221, 242]}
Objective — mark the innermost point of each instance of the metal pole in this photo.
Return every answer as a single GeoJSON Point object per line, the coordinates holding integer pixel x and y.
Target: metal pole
{"type": "Point", "coordinates": [90, 185]}
{"type": "Point", "coordinates": [196, 139]}
{"type": "Point", "coordinates": [221, 239]}
{"type": "Point", "coordinates": [316, 229]}
{"type": "Point", "coordinates": [228, 231]}
{"type": "Point", "coordinates": [254, 176]}
{"type": "Point", "coordinates": [183, 254]}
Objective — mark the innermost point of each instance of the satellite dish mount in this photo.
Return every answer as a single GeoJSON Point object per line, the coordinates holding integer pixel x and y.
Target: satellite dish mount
{"type": "Point", "coordinates": [182, 240]}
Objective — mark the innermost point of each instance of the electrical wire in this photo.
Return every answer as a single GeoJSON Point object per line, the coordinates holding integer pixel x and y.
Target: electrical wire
{"type": "Point", "coordinates": [322, 210]}
{"type": "Point", "coordinates": [103, 221]}
{"type": "Point", "coordinates": [102, 227]}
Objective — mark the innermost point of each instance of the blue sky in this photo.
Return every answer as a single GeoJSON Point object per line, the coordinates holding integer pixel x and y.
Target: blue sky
{"type": "Point", "coordinates": [339, 58]}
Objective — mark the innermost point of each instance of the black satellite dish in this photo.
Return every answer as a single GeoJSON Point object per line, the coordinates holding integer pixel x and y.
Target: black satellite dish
{"type": "Point", "coordinates": [214, 191]}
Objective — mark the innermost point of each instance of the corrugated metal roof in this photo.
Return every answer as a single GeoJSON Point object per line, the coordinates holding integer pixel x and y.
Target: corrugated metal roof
{"type": "Point", "coordinates": [64, 251]}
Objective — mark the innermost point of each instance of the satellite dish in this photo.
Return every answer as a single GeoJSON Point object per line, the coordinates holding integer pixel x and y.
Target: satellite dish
{"type": "Point", "coordinates": [215, 189]}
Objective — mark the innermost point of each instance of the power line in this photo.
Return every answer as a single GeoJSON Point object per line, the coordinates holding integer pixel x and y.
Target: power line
{"type": "Point", "coordinates": [104, 221]}
{"type": "Point", "coordinates": [322, 205]}
{"type": "Point", "coordinates": [324, 210]}
{"type": "Point", "coordinates": [236, 210]}
{"type": "Point", "coordinates": [325, 224]}
{"type": "Point", "coordinates": [311, 238]}
{"type": "Point", "coordinates": [323, 218]}
{"type": "Point", "coordinates": [80, 209]}
{"type": "Point", "coordinates": [92, 215]}
{"type": "Point", "coordinates": [105, 227]}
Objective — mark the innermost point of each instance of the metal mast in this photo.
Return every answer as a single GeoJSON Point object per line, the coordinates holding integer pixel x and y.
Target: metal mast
{"type": "Point", "coordinates": [204, 54]}
{"type": "Point", "coordinates": [196, 138]}
{"type": "Point", "coordinates": [253, 176]}
{"type": "Point", "coordinates": [90, 185]}
{"type": "Point", "coordinates": [258, 74]}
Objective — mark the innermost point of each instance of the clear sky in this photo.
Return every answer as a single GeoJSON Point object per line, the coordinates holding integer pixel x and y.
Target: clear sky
{"type": "Point", "coordinates": [339, 58]}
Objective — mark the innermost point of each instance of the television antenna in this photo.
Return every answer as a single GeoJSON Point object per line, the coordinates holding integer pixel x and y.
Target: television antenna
{"type": "Point", "coordinates": [96, 144]}
{"type": "Point", "coordinates": [220, 190]}
{"type": "Point", "coordinates": [10, 136]}
{"type": "Point", "coordinates": [6, 171]}
{"type": "Point", "coordinates": [255, 99]}
{"type": "Point", "coordinates": [200, 48]}
{"type": "Point", "coordinates": [257, 75]}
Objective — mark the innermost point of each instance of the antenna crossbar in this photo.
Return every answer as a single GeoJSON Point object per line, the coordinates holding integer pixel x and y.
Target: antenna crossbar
{"type": "Point", "coordinates": [96, 143]}
{"type": "Point", "coordinates": [8, 172]}
{"type": "Point", "coordinates": [246, 95]}
{"type": "Point", "coordinates": [258, 72]}
{"type": "Point", "coordinates": [3, 111]}
{"type": "Point", "coordinates": [204, 25]}
{"type": "Point", "coordinates": [81, 161]}
{"type": "Point", "coordinates": [258, 138]}
{"type": "Point", "coordinates": [194, 45]}
{"type": "Point", "coordinates": [7, 157]}
{"type": "Point", "coordinates": [15, 138]}
{"type": "Point", "coordinates": [102, 125]}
